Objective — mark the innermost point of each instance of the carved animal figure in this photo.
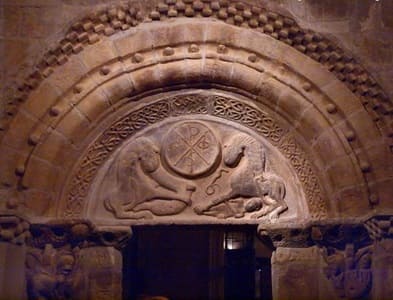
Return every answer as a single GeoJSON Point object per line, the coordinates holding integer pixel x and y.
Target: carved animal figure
{"type": "Point", "coordinates": [264, 191]}
{"type": "Point", "coordinates": [54, 274]}
{"type": "Point", "coordinates": [272, 189]}
{"type": "Point", "coordinates": [136, 185]}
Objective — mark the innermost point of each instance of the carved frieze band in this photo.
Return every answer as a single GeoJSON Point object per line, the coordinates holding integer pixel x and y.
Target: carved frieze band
{"type": "Point", "coordinates": [215, 105]}
{"type": "Point", "coordinates": [91, 29]}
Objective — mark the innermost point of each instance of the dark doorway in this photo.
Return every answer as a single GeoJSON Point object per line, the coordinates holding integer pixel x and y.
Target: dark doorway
{"type": "Point", "coordinates": [194, 262]}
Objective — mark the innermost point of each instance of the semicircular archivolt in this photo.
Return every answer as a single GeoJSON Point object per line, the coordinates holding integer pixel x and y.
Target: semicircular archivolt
{"type": "Point", "coordinates": [72, 203]}
{"type": "Point", "coordinates": [138, 72]}
{"type": "Point", "coordinates": [96, 27]}
{"type": "Point", "coordinates": [81, 107]}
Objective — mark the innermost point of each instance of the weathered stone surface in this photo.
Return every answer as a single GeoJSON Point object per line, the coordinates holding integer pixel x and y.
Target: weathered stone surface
{"type": "Point", "coordinates": [174, 168]}
{"type": "Point", "coordinates": [297, 273]}
{"type": "Point", "coordinates": [13, 283]}
{"type": "Point", "coordinates": [382, 269]}
{"type": "Point", "coordinates": [316, 144]}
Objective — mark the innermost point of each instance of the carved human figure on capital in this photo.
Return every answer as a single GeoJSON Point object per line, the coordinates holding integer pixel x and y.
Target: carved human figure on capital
{"type": "Point", "coordinates": [54, 274]}
{"type": "Point", "coordinates": [262, 192]}
{"type": "Point", "coordinates": [136, 185]}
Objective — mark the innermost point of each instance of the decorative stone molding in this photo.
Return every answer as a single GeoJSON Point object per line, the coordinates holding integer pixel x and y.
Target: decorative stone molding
{"type": "Point", "coordinates": [93, 28]}
{"type": "Point", "coordinates": [72, 112]}
{"type": "Point", "coordinates": [74, 234]}
{"type": "Point", "coordinates": [322, 234]}
{"type": "Point", "coordinates": [13, 229]}
{"type": "Point", "coordinates": [217, 106]}
{"type": "Point", "coordinates": [72, 122]}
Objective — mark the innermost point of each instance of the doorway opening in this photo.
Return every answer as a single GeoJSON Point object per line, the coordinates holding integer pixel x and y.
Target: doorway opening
{"type": "Point", "coordinates": [197, 262]}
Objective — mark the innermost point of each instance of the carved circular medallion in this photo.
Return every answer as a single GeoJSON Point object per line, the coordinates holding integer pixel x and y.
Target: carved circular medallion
{"type": "Point", "coordinates": [191, 149]}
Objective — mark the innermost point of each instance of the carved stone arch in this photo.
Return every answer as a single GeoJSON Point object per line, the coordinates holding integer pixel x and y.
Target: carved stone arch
{"type": "Point", "coordinates": [114, 92]}
{"type": "Point", "coordinates": [61, 115]}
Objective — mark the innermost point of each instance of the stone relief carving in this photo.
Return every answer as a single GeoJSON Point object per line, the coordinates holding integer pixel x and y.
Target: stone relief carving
{"type": "Point", "coordinates": [191, 149]}
{"type": "Point", "coordinates": [13, 229]}
{"type": "Point", "coordinates": [54, 273]}
{"type": "Point", "coordinates": [76, 233]}
{"type": "Point", "coordinates": [349, 270]}
{"type": "Point", "coordinates": [222, 107]}
{"type": "Point", "coordinates": [262, 192]}
{"type": "Point", "coordinates": [164, 174]}
{"type": "Point", "coordinates": [138, 186]}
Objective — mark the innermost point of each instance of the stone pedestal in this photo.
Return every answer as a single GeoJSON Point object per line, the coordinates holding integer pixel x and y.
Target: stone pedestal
{"type": "Point", "coordinates": [12, 270]}
{"type": "Point", "coordinates": [298, 274]}
{"type": "Point", "coordinates": [382, 269]}
{"type": "Point", "coordinates": [103, 269]}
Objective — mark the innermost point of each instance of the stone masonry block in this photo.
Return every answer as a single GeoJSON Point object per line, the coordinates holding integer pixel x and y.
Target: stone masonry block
{"type": "Point", "coordinates": [330, 145]}
{"type": "Point", "coordinates": [141, 40]}
{"type": "Point", "coordinates": [7, 165]}
{"type": "Point", "coordinates": [99, 54]}
{"type": "Point", "coordinates": [366, 130]}
{"type": "Point", "coordinates": [312, 124]}
{"type": "Point", "coordinates": [74, 126]}
{"type": "Point", "coordinates": [118, 88]}
{"type": "Point", "coordinates": [94, 104]}
{"type": "Point", "coordinates": [40, 174]}
{"type": "Point", "coordinates": [173, 72]}
{"type": "Point", "coordinates": [348, 170]}
{"type": "Point", "coordinates": [55, 149]}
{"type": "Point", "coordinates": [67, 75]}
{"type": "Point", "coordinates": [291, 104]}
{"type": "Point", "coordinates": [41, 99]}
{"type": "Point", "coordinates": [147, 78]}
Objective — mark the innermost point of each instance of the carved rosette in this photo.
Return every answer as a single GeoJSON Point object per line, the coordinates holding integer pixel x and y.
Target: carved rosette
{"type": "Point", "coordinates": [191, 149]}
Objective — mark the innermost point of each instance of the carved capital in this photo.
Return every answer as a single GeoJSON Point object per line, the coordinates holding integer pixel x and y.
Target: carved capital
{"type": "Point", "coordinates": [80, 234]}
{"type": "Point", "coordinates": [320, 234]}
{"type": "Point", "coordinates": [289, 237]}
{"type": "Point", "coordinates": [349, 270]}
{"type": "Point", "coordinates": [13, 229]}
{"type": "Point", "coordinates": [380, 227]}
{"type": "Point", "coordinates": [54, 273]}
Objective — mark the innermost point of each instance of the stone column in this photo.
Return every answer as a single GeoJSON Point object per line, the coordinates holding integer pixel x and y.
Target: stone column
{"type": "Point", "coordinates": [321, 261]}
{"type": "Point", "coordinates": [380, 229]}
{"type": "Point", "coordinates": [13, 233]}
{"type": "Point", "coordinates": [75, 260]}
{"type": "Point", "coordinates": [103, 267]}
{"type": "Point", "coordinates": [12, 271]}
{"type": "Point", "coordinates": [382, 269]}
{"type": "Point", "coordinates": [297, 273]}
